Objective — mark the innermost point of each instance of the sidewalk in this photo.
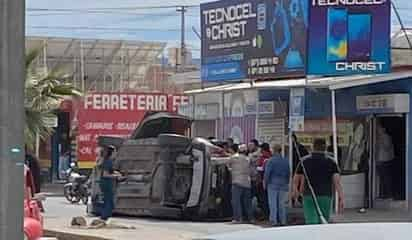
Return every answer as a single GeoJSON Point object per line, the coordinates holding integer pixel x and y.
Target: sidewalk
{"type": "Point", "coordinates": [168, 232]}
{"type": "Point", "coordinates": [353, 216]}
{"type": "Point", "coordinates": [60, 228]}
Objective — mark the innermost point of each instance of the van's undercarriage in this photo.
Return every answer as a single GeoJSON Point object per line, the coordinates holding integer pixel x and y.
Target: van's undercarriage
{"type": "Point", "coordinates": [167, 175]}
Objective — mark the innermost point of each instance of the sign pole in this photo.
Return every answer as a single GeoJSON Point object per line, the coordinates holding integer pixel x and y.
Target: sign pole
{"type": "Point", "coordinates": [335, 139]}
{"type": "Point", "coordinates": [11, 118]}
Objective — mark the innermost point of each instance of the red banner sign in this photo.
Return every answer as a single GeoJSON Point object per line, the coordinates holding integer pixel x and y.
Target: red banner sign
{"type": "Point", "coordinates": [117, 115]}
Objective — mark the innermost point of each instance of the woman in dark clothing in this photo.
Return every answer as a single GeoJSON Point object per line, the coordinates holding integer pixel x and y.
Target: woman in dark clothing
{"type": "Point", "coordinates": [106, 182]}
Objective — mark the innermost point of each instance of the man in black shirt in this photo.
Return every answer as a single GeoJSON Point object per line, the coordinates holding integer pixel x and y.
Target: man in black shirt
{"type": "Point", "coordinates": [322, 176]}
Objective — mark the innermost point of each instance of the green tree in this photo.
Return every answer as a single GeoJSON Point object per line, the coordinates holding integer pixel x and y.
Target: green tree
{"type": "Point", "coordinates": [44, 92]}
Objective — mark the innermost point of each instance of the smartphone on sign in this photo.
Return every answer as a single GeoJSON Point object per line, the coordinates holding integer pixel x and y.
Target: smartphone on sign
{"type": "Point", "coordinates": [337, 36]}
{"type": "Point", "coordinates": [359, 36]}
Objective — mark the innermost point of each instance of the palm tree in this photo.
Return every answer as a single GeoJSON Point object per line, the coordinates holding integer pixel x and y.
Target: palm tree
{"type": "Point", "coordinates": [43, 93]}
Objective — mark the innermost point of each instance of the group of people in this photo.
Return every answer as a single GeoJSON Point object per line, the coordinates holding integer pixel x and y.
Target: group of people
{"type": "Point", "coordinates": [261, 172]}
{"type": "Point", "coordinates": [258, 172]}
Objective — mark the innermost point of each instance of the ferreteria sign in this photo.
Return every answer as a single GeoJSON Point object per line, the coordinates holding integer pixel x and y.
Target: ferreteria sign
{"type": "Point", "coordinates": [117, 115]}
{"type": "Point", "coordinates": [349, 37]}
{"type": "Point", "coordinates": [248, 39]}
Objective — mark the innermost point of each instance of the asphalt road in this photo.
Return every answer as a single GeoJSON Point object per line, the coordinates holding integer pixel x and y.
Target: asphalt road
{"type": "Point", "coordinates": [59, 208]}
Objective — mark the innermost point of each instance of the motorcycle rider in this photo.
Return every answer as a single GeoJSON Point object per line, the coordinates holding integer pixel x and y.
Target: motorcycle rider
{"type": "Point", "coordinates": [108, 175]}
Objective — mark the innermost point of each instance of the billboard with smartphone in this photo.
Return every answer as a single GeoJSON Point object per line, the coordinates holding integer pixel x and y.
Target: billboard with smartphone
{"type": "Point", "coordinates": [349, 37]}
{"type": "Point", "coordinates": [253, 39]}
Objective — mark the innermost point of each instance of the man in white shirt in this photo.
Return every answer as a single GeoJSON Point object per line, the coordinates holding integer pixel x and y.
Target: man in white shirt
{"type": "Point", "coordinates": [239, 167]}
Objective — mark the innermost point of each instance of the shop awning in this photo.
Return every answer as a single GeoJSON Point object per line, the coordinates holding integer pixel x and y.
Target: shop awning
{"type": "Point", "coordinates": [332, 83]}
{"type": "Point", "coordinates": [313, 82]}
{"type": "Point", "coordinates": [251, 85]}
{"type": "Point", "coordinates": [349, 82]}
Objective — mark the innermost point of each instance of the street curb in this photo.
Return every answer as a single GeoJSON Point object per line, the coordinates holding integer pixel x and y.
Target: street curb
{"type": "Point", "coordinates": [70, 236]}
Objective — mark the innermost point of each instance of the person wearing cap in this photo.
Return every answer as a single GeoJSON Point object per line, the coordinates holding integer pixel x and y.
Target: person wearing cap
{"type": "Point", "coordinates": [108, 175]}
{"type": "Point", "coordinates": [241, 186]}
{"type": "Point", "coordinates": [276, 182]}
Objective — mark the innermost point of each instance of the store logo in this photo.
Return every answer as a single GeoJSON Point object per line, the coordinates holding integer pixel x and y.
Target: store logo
{"type": "Point", "coordinates": [360, 66]}
{"type": "Point", "coordinates": [347, 2]}
{"type": "Point", "coordinates": [228, 22]}
{"type": "Point", "coordinates": [258, 41]}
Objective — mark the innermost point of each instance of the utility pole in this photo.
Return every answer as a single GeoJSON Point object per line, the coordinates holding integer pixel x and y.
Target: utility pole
{"type": "Point", "coordinates": [11, 118]}
{"type": "Point", "coordinates": [182, 10]}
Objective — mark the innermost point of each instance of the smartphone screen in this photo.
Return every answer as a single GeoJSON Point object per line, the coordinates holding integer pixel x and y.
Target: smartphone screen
{"type": "Point", "coordinates": [337, 38]}
{"type": "Point", "coordinates": [359, 36]}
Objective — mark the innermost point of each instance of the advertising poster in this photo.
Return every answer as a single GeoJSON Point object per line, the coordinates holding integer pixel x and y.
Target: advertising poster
{"type": "Point", "coordinates": [356, 154]}
{"type": "Point", "coordinates": [240, 115]}
{"type": "Point", "coordinates": [349, 37]}
{"type": "Point", "coordinates": [253, 39]}
{"type": "Point", "coordinates": [297, 110]}
{"type": "Point", "coordinates": [117, 115]}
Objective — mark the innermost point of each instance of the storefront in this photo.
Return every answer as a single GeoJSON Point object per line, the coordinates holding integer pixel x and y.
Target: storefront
{"type": "Point", "coordinates": [377, 162]}
{"type": "Point", "coordinates": [272, 118]}
{"type": "Point", "coordinates": [240, 111]}
{"type": "Point", "coordinates": [206, 120]}
{"type": "Point", "coordinates": [257, 110]}
{"type": "Point", "coordinates": [205, 110]}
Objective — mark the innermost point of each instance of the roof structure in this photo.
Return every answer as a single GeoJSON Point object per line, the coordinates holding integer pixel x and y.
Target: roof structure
{"type": "Point", "coordinates": [99, 65]}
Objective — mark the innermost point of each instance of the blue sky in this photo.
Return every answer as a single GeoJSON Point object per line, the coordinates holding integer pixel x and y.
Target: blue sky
{"type": "Point", "coordinates": [150, 25]}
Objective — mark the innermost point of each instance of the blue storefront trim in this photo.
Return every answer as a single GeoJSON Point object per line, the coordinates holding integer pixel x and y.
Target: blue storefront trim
{"type": "Point", "coordinates": [346, 107]}
{"type": "Point", "coordinates": [318, 105]}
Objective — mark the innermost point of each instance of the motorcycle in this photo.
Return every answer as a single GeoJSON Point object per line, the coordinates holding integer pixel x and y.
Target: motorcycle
{"type": "Point", "coordinates": [77, 188]}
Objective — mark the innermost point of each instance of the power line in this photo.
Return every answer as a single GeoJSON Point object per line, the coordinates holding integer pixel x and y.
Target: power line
{"type": "Point", "coordinates": [111, 13]}
{"type": "Point", "coordinates": [107, 29]}
{"type": "Point", "coordinates": [166, 14]}
{"type": "Point", "coordinates": [104, 9]}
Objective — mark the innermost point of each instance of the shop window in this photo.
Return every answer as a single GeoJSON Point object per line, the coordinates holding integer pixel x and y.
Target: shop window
{"type": "Point", "coordinates": [353, 141]}
{"type": "Point", "coordinates": [354, 146]}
